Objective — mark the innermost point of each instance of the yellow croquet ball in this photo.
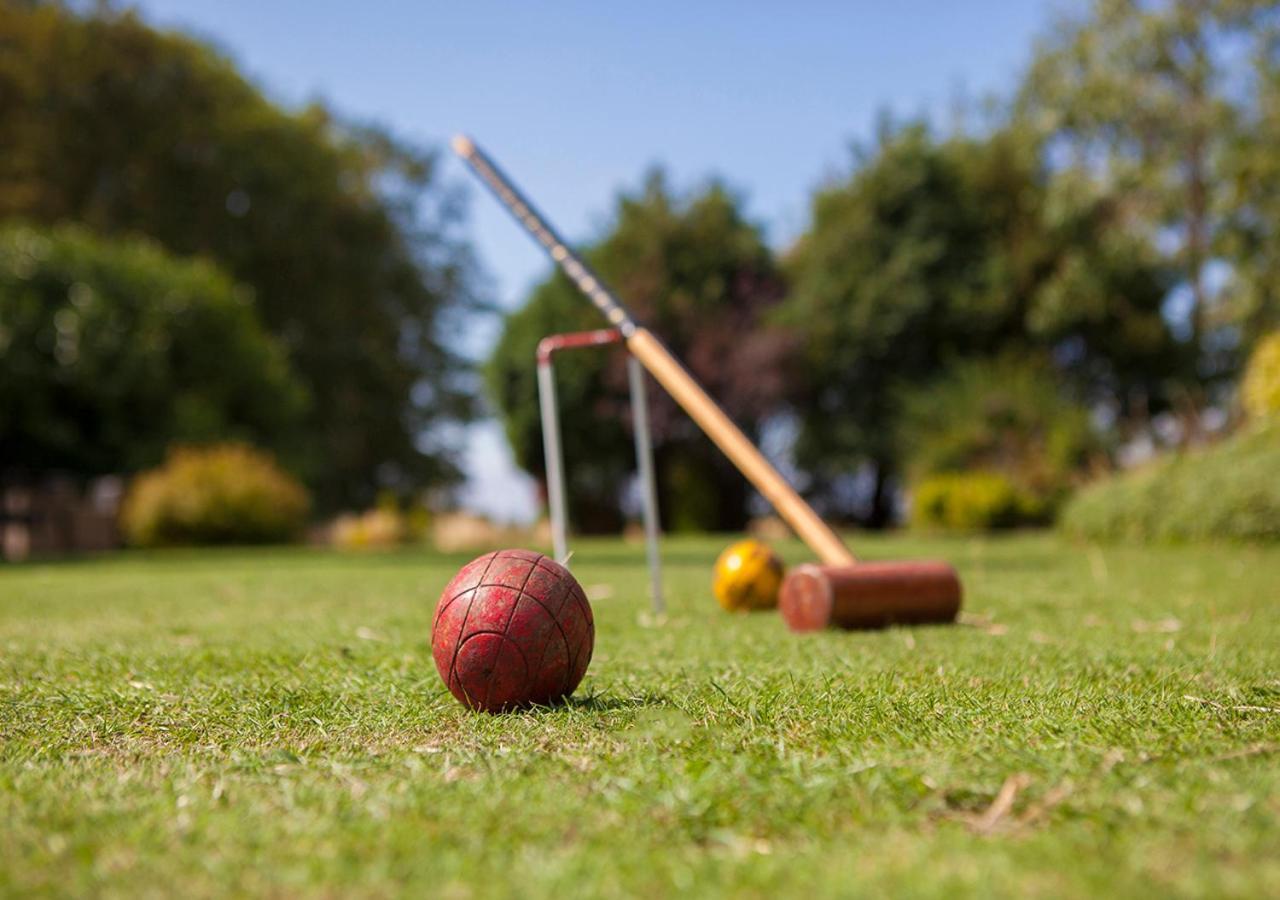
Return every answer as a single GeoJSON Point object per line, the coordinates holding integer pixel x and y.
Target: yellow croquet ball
{"type": "Point", "coordinates": [748, 575]}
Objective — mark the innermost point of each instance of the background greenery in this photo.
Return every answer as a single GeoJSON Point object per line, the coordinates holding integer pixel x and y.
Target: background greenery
{"type": "Point", "coordinates": [113, 350]}
{"type": "Point", "coordinates": [1227, 492]}
{"type": "Point", "coordinates": [1007, 415]}
{"type": "Point", "coordinates": [346, 237]}
{"type": "Point", "coordinates": [1260, 387]}
{"type": "Point", "coordinates": [1111, 218]}
{"type": "Point", "coordinates": [214, 494]}
{"type": "Point", "coordinates": [271, 723]}
{"type": "Point", "coordinates": [933, 253]}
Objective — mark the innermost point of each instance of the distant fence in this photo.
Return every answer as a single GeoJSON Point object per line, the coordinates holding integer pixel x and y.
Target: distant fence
{"type": "Point", "coordinates": [58, 515]}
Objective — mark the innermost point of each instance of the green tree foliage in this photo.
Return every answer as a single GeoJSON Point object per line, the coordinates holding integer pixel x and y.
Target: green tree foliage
{"type": "Point", "coordinates": [114, 350]}
{"type": "Point", "coordinates": [1006, 415]}
{"type": "Point", "coordinates": [931, 253]}
{"type": "Point", "coordinates": [695, 270]}
{"type": "Point", "coordinates": [345, 235]}
{"type": "Point", "coordinates": [1250, 238]}
{"type": "Point", "coordinates": [1153, 96]}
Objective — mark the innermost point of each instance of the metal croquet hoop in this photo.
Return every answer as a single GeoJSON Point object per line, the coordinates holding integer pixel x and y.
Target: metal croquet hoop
{"type": "Point", "coordinates": [555, 456]}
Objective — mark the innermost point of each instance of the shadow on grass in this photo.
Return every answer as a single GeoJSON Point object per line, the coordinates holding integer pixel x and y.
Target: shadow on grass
{"type": "Point", "coordinates": [596, 703]}
{"type": "Point", "coordinates": [611, 703]}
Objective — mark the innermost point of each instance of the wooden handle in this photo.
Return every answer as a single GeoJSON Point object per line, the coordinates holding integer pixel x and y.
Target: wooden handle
{"type": "Point", "coordinates": [730, 439]}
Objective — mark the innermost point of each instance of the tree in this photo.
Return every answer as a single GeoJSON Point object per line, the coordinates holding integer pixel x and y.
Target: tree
{"type": "Point", "coordinates": [346, 236]}
{"type": "Point", "coordinates": [700, 274]}
{"type": "Point", "coordinates": [115, 350]}
{"type": "Point", "coordinates": [1251, 234]}
{"type": "Point", "coordinates": [931, 253]}
{"type": "Point", "coordinates": [1150, 96]}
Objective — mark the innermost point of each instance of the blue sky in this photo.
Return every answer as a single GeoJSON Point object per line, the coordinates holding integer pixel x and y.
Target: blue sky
{"type": "Point", "coordinates": [577, 99]}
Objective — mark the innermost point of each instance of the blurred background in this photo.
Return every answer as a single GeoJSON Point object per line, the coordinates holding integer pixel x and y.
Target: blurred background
{"type": "Point", "coordinates": [954, 266]}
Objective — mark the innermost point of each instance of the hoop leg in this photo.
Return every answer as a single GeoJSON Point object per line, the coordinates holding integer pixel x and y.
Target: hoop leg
{"type": "Point", "coordinates": [555, 461]}
{"type": "Point", "coordinates": [648, 487]}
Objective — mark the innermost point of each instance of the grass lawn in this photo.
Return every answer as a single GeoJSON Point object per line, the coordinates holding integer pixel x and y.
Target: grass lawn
{"type": "Point", "coordinates": [1105, 721]}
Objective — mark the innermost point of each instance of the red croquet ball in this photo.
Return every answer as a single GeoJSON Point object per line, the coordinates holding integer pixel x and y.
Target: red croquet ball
{"type": "Point", "coordinates": [513, 628]}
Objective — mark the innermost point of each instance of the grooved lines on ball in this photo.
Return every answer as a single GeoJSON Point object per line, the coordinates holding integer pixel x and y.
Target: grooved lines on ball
{"type": "Point", "coordinates": [488, 693]}
{"type": "Point", "coordinates": [462, 629]}
{"type": "Point", "coordinates": [557, 598]}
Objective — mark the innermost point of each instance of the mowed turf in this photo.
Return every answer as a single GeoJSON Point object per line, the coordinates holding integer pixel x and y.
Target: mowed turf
{"type": "Point", "coordinates": [1104, 721]}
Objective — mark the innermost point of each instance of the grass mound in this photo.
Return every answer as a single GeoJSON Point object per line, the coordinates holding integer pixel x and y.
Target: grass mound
{"type": "Point", "coordinates": [1230, 492]}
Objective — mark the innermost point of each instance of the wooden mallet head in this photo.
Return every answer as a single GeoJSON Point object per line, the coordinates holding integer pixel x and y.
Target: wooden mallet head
{"type": "Point", "coordinates": [869, 595]}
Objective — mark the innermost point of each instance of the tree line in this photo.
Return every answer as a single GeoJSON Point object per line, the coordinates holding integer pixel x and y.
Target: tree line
{"type": "Point", "coordinates": [342, 242]}
{"type": "Point", "coordinates": [1091, 266]}
{"type": "Point", "coordinates": [1103, 250]}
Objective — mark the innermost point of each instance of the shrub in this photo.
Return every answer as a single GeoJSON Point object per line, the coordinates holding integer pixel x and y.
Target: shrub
{"type": "Point", "coordinates": [372, 529]}
{"type": "Point", "coordinates": [221, 494]}
{"type": "Point", "coordinates": [974, 501]}
{"type": "Point", "coordinates": [1230, 491]}
{"type": "Point", "coordinates": [1008, 421]}
{"type": "Point", "coordinates": [1260, 390]}
{"type": "Point", "coordinates": [386, 525]}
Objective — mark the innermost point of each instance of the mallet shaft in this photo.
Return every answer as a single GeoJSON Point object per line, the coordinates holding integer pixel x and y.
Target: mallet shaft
{"type": "Point", "coordinates": [537, 226]}
{"type": "Point", "coordinates": [686, 391]}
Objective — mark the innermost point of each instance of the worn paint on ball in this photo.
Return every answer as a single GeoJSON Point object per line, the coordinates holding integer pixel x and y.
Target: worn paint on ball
{"type": "Point", "coordinates": [513, 628]}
